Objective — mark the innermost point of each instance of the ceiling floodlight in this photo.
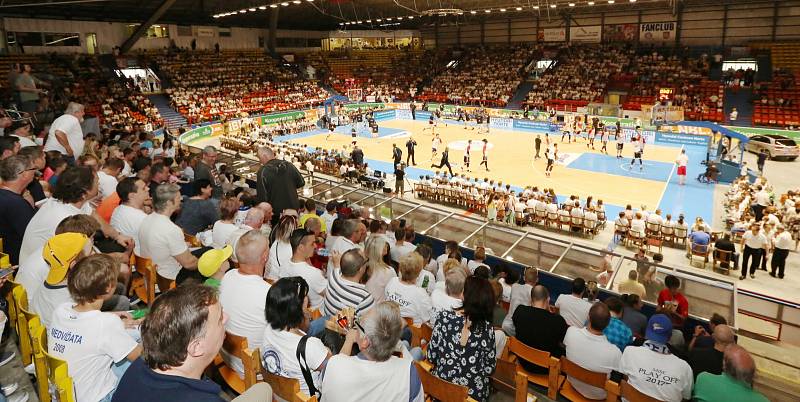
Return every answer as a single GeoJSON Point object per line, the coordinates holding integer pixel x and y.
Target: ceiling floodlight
{"type": "Point", "coordinates": [610, 1]}
{"type": "Point", "coordinates": [296, 2]}
{"type": "Point", "coordinates": [399, 18]}
{"type": "Point", "coordinates": [502, 10]}
{"type": "Point", "coordinates": [389, 19]}
{"type": "Point", "coordinates": [552, 6]}
{"type": "Point", "coordinates": [379, 20]}
{"type": "Point", "coordinates": [252, 9]}
{"type": "Point", "coordinates": [519, 8]}
{"type": "Point", "coordinates": [487, 11]}
{"type": "Point", "coordinates": [535, 7]}
{"type": "Point", "coordinates": [473, 12]}
{"type": "Point", "coordinates": [571, 4]}
{"type": "Point", "coordinates": [273, 6]}
{"type": "Point", "coordinates": [411, 17]}
{"type": "Point", "coordinates": [591, 3]}
{"type": "Point", "coordinates": [262, 7]}
{"type": "Point", "coordinates": [285, 3]}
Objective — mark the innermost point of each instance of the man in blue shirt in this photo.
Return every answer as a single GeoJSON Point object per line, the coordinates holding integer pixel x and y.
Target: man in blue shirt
{"type": "Point", "coordinates": [698, 242]}
{"type": "Point", "coordinates": [181, 336]}
{"type": "Point", "coordinates": [617, 332]}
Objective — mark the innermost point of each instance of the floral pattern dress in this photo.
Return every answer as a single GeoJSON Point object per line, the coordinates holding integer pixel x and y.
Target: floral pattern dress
{"type": "Point", "coordinates": [469, 365]}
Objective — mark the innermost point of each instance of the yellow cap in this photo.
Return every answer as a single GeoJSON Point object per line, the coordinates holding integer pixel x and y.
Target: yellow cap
{"type": "Point", "coordinates": [59, 252]}
{"type": "Point", "coordinates": [211, 260]}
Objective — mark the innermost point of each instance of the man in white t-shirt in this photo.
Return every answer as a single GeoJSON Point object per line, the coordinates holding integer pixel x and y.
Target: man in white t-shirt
{"type": "Point", "coordinates": [127, 218]}
{"type": "Point", "coordinates": [253, 220]}
{"type": "Point", "coordinates": [451, 296]}
{"type": "Point", "coordinates": [375, 374]}
{"type": "Point", "coordinates": [682, 161]}
{"type": "Point", "coordinates": [243, 292]}
{"type": "Point", "coordinates": [754, 244]}
{"type": "Point", "coordinates": [352, 234]}
{"type": "Point", "coordinates": [589, 348]}
{"type": "Point", "coordinates": [162, 240]}
{"type": "Point", "coordinates": [107, 176]}
{"type": "Point", "coordinates": [95, 345]}
{"type": "Point", "coordinates": [66, 134]}
{"type": "Point", "coordinates": [302, 242]}
{"type": "Point", "coordinates": [652, 369]}
{"type": "Point", "coordinates": [71, 195]}
{"type": "Point", "coordinates": [61, 253]}
{"type": "Point", "coordinates": [572, 307]}
{"type": "Point", "coordinates": [403, 245]}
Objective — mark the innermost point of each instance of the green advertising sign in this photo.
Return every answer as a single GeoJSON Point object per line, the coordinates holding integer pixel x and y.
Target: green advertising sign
{"type": "Point", "coordinates": [196, 134]}
{"type": "Point", "coordinates": [367, 105]}
{"type": "Point", "coordinates": [281, 117]}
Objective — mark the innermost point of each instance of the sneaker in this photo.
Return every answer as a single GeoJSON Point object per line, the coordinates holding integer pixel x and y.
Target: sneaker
{"type": "Point", "coordinates": [30, 369]}
{"type": "Point", "coordinates": [19, 398]}
{"type": "Point", "coordinates": [10, 389]}
{"type": "Point", "coordinates": [6, 357]}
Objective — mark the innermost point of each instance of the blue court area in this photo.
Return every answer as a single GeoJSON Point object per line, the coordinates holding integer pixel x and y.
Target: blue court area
{"type": "Point", "coordinates": [608, 164]}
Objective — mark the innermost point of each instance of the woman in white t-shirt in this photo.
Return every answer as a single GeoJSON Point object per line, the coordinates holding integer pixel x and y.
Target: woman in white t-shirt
{"type": "Point", "coordinates": [285, 309]}
{"type": "Point", "coordinates": [280, 250]}
{"type": "Point", "coordinates": [377, 249]}
{"type": "Point", "coordinates": [224, 227]}
{"type": "Point", "coordinates": [414, 301]}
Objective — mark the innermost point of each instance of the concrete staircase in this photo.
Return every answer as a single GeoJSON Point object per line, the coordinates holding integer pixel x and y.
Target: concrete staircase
{"type": "Point", "coordinates": [741, 100]}
{"type": "Point", "coordinates": [173, 119]}
{"type": "Point", "coordinates": [519, 96]}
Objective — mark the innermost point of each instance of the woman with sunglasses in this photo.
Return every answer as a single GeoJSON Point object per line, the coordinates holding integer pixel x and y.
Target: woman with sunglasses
{"type": "Point", "coordinates": [286, 311]}
{"type": "Point", "coordinates": [462, 348]}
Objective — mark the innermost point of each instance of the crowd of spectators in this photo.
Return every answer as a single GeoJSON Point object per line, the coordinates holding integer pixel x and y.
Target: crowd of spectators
{"type": "Point", "coordinates": [211, 86]}
{"type": "Point", "coordinates": [486, 75]}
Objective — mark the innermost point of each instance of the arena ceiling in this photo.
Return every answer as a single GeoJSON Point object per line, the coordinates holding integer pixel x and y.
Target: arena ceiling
{"type": "Point", "coordinates": [326, 14]}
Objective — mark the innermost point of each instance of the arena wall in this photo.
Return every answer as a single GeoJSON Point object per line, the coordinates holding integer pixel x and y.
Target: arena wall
{"type": "Point", "coordinates": [714, 25]}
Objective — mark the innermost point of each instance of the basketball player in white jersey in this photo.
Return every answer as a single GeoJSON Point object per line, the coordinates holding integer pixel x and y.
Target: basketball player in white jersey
{"type": "Point", "coordinates": [467, 155]}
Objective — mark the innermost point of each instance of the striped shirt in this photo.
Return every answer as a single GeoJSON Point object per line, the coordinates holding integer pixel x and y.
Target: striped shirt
{"type": "Point", "coordinates": [344, 293]}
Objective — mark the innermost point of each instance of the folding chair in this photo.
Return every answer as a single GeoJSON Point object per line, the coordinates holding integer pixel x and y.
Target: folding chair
{"type": "Point", "coordinates": [236, 345]}
{"type": "Point", "coordinates": [440, 390]}
{"type": "Point", "coordinates": [521, 351]}
{"type": "Point", "coordinates": [599, 380]}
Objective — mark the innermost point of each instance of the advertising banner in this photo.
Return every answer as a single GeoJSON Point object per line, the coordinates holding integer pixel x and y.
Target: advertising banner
{"type": "Point", "coordinates": [501, 122]}
{"type": "Point", "coordinates": [403, 114]}
{"type": "Point", "coordinates": [620, 33]}
{"type": "Point", "coordinates": [197, 134]}
{"type": "Point", "coordinates": [657, 32]}
{"type": "Point", "coordinates": [281, 117]}
{"type": "Point", "coordinates": [552, 34]}
{"type": "Point", "coordinates": [384, 115]}
{"type": "Point", "coordinates": [649, 135]}
{"type": "Point", "coordinates": [684, 139]}
{"type": "Point", "coordinates": [590, 34]}
{"type": "Point", "coordinates": [534, 125]}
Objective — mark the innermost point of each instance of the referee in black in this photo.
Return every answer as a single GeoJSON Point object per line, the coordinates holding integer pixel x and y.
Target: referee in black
{"type": "Point", "coordinates": [410, 145]}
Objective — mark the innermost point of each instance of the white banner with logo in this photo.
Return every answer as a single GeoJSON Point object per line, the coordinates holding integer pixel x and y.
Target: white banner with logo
{"type": "Point", "coordinates": [554, 34]}
{"type": "Point", "coordinates": [657, 31]}
{"type": "Point", "coordinates": [590, 34]}
{"type": "Point", "coordinates": [205, 32]}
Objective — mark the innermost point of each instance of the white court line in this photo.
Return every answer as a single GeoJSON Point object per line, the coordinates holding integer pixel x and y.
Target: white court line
{"type": "Point", "coordinates": [668, 180]}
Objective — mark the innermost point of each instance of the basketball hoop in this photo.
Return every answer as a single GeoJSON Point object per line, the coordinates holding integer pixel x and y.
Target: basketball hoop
{"type": "Point", "coordinates": [355, 94]}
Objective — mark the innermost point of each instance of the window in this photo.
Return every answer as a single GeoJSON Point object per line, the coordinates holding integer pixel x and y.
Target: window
{"type": "Point", "coordinates": [44, 39]}
{"type": "Point", "coordinates": [224, 32]}
{"type": "Point", "coordinates": [155, 31]}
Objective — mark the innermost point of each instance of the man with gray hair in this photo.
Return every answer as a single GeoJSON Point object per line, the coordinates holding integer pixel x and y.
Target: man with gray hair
{"type": "Point", "coordinates": [452, 296]}
{"type": "Point", "coordinates": [207, 169]}
{"type": "Point", "coordinates": [277, 182]}
{"type": "Point", "coordinates": [162, 240]}
{"type": "Point", "coordinates": [735, 384]}
{"type": "Point", "coordinates": [66, 134]}
{"type": "Point", "coordinates": [16, 206]}
{"type": "Point", "coordinates": [375, 373]}
{"type": "Point", "coordinates": [252, 221]}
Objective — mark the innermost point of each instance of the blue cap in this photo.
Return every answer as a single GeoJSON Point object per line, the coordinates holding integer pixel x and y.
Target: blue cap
{"type": "Point", "coordinates": [659, 328]}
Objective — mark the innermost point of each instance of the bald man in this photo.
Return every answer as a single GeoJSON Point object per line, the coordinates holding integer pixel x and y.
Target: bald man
{"type": "Point", "coordinates": [710, 359]}
{"type": "Point", "coordinates": [735, 384]}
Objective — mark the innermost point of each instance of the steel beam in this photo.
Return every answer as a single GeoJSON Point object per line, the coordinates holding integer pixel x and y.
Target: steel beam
{"type": "Point", "coordinates": [143, 27]}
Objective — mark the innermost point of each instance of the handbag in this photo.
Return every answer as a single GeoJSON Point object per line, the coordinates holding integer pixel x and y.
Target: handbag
{"type": "Point", "coordinates": [301, 359]}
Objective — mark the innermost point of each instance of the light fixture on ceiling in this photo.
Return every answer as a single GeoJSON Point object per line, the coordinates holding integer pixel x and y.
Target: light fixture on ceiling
{"type": "Point", "coordinates": [389, 19]}
{"type": "Point", "coordinates": [552, 6]}
{"type": "Point", "coordinates": [591, 3]}
{"type": "Point", "coordinates": [571, 4]}
{"type": "Point", "coordinates": [285, 3]}
{"type": "Point", "coordinates": [502, 10]}
{"type": "Point", "coordinates": [473, 12]}
{"type": "Point", "coordinates": [296, 2]}
{"type": "Point", "coordinates": [399, 18]}
{"type": "Point", "coordinates": [487, 11]}
{"type": "Point", "coordinates": [519, 8]}
{"type": "Point", "coordinates": [379, 20]}
{"type": "Point", "coordinates": [262, 7]}
{"type": "Point", "coordinates": [610, 1]}
{"type": "Point", "coordinates": [273, 6]}
{"type": "Point", "coordinates": [411, 17]}
{"type": "Point", "coordinates": [252, 9]}
{"type": "Point", "coordinates": [242, 11]}
{"type": "Point", "coordinates": [535, 7]}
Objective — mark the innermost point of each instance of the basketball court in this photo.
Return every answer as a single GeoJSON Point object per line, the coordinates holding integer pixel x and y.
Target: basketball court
{"type": "Point", "coordinates": [579, 170]}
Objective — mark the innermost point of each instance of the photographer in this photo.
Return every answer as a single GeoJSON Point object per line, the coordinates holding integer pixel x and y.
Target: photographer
{"type": "Point", "coordinates": [399, 178]}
